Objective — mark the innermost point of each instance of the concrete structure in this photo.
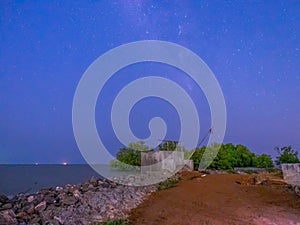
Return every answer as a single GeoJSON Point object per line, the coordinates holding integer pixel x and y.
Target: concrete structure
{"type": "Point", "coordinates": [164, 160]}
{"type": "Point", "coordinates": [189, 165]}
{"type": "Point", "coordinates": [291, 173]}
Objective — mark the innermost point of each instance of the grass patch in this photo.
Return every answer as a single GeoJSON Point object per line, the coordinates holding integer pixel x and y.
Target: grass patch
{"type": "Point", "coordinates": [116, 222]}
{"type": "Point", "coordinates": [169, 183]}
{"type": "Point", "coordinates": [277, 172]}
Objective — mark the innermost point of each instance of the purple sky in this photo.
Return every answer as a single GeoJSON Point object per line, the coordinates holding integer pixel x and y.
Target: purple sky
{"type": "Point", "coordinates": [253, 48]}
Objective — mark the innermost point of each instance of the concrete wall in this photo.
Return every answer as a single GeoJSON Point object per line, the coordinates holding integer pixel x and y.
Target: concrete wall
{"type": "Point", "coordinates": [189, 165]}
{"type": "Point", "coordinates": [162, 160]}
{"type": "Point", "coordinates": [291, 173]}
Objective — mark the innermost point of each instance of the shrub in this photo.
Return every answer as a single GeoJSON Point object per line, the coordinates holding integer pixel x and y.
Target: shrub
{"type": "Point", "coordinates": [197, 156]}
{"type": "Point", "coordinates": [228, 157]}
{"type": "Point", "coordinates": [118, 165]}
{"type": "Point", "coordinates": [116, 222]}
{"type": "Point", "coordinates": [263, 161]}
{"type": "Point", "coordinates": [168, 146]}
{"type": "Point", "coordinates": [129, 158]}
{"type": "Point", "coordinates": [169, 183]}
{"type": "Point", "coordinates": [244, 157]}
{"type": "Point", "coordinates": [286, 155]}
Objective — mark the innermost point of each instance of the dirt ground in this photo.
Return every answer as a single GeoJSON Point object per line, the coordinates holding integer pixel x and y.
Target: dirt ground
{"type": "Point", "coordinates": [219, 200]}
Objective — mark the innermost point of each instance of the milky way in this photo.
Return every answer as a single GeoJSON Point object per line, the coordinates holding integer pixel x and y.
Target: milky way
{"type": "Point", "coordinates": [253, 48]}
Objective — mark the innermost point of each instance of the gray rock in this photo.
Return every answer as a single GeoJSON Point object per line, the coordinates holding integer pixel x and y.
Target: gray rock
{"type": "Point", "coordinates": [8, 217]}
{"type": "Point", "coordinates": [41, 206]}
{"type": "Point", "coordinates": [77, 193]}
{"type": "Point", "coordinates": [30, 198]}
{"type": "Point", "coordinates": [85, 187]}
{"type": "Point", "coordinates": [59, 189]}
{"type": "Point", "coordinates": [6, 206]}
{"type": "Point", "coordinates": [22, 215]}
{"type": "Point", "coordinates": [29, 208]}
{"type": "Point", "coordinates": [47, 215]}
{"type": "Point", "coordinates": [3, 199]}
{"type": "Point", "coordinates": [50, 199]}
{"type": "Point", "coordinates": [37, 199]}
{"type": "Point", "coordinates": [69, 200]}
{"type": "Point", "coordinates": [60, 220]}
{"type": "Point", "coordinates": [93, 181]}
{"type": "Point", "coordinates": [34, 220]}
{"type": "Point", "coordinates": [297, 190]}
{"type": "Point", "coordinates": [51, 222]}
{"type": "Point", "coordinates": [91, 202]}
{"type": "Point", "coordinates": [17, 206]}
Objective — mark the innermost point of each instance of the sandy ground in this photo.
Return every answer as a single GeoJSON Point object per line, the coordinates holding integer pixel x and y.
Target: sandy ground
{"type": "Point", "coordinates": [219, 200]}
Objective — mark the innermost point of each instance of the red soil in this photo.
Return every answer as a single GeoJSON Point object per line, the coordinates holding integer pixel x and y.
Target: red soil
{"type": "Point", "coordinates": [219, 200]}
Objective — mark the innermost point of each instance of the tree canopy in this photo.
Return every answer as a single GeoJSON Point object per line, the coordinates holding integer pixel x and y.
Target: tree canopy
{"type": "Point", "coordinates": [228, 156]}
{"type": "Point", "coordinates": [286, 155]}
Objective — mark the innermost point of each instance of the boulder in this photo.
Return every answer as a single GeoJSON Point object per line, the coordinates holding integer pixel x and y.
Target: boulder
{"type": "Point", "coordinates": [22, 215]}
{"type": "Point", "coordinates": [41, 206]}
{"type": "Point", "coordinates": [8, 217]}
{"type": "Point", "coordinates": [3, 199]}
{"type": "Point", "coordinates": [274, 181]}
{"type": "Point", "coordinates": [69, 200]}
{"type": "Point", "coordinates": [6, 206]}
{"type": "Point", "coordinates": [30, 198]}
{"type": "Point", "coordinates": [29, 208]}
{"type": "Point", "coordinates": [34, 220]}
{"type": "Point", "coordinates": [93, 181]}
{"type": "Point", "coordinates": [51, 222]}
{"type": "Point", "coordinates": [60, 220]}
{"type": "Point", "coordinates": [297, 189]}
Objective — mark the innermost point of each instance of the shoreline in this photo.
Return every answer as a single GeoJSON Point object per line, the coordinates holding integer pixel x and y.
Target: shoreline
{"type": "Point", "coordinates": [97, 200]}
{"type": "Point", "coordinates": [94, 201]}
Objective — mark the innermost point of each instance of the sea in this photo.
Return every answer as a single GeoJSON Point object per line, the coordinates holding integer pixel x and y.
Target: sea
{"type": "Point", "coordinates": [15, 179]}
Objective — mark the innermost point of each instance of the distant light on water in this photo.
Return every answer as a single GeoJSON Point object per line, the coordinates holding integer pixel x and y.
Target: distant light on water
{"type": "Point", "coordinates": [65, 163]}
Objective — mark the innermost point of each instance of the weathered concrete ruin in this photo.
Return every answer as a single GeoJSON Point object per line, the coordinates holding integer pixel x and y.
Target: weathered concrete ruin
{"type": "Point", "coordinates": [164, 160]}
{"type": "Point", "coordinates": [291, 173]}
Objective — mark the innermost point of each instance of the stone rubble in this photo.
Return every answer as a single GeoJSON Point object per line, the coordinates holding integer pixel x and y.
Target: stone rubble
{"type": "Point", "coordinates": [94, 201]}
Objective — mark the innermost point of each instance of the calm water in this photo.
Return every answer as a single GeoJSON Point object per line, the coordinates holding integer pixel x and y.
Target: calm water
{"type": "Point", "coordinates": [30, 178]}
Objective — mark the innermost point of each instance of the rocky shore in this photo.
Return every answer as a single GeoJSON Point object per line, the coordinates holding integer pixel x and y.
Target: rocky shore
{"type": "Point", "coordinates": [92, 202]}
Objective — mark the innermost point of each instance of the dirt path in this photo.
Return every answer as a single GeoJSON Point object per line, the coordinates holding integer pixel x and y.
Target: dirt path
{"type": "Point", "coordinates": [219, 200]}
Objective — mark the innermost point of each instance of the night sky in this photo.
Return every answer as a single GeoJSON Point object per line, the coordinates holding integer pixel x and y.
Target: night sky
{"type": "Point", "coordinates": [253, 48]}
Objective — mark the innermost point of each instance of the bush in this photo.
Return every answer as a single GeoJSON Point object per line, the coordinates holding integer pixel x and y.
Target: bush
{"type": "Point", "coordinates": [168, 146]}
{"type": "Point", "coordinates": [263, 161]}
{"type": "Point", "coordinates": [130, 157]}
{"type": "Point", "coordinates": [245, 158]}
{"type": "Point", "coordinates": [187, 154]}
{"type": "Point", "coordinates": [197, 156]}
{"type": "Point", "coordinates": [116, 222]}
{"type": "Point", "coordinates": [286, 155]}
{"type": "Point", "coordinates": [118, 165]}
{"type": "Point", "coordinates": [169, 183]}
{"type": "Point", "coordinates": [230, 156]}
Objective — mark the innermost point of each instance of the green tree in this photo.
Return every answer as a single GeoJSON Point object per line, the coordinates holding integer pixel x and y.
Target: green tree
{"type": "Point", "coordinates": [286, 155]}
{"type": "Point", "coordinates": [225, 159]}
{"type": "Point", "coordinates": [187, 154]}
{"type": "Point", "coordinates": [228, 157]}
{"type": "Point", "coordinates": [197, 156]}
{"type": "Point", "coordinates": [140, 146]}
{"type": "Point", "coordinates": [130, 156]}
{"type": "Point", "coordinates": [263, 161]}
{"type": "Point", "coordinates": [168, 146]}
{"type": "Point", "coordinates": [244, 157]}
